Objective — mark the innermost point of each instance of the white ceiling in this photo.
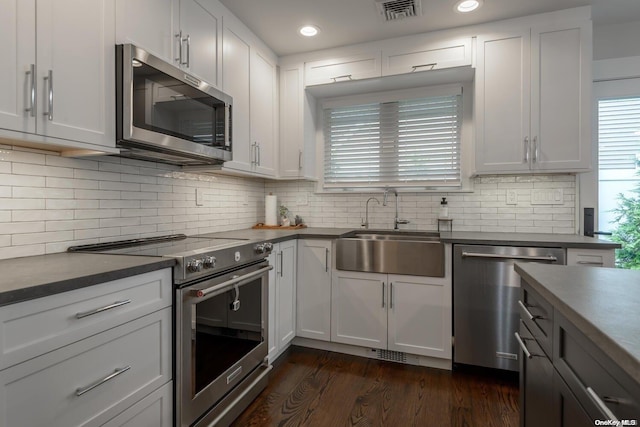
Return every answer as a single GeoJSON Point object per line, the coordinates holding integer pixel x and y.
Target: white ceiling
{"type": "Point", "coordinates": [344, 22]}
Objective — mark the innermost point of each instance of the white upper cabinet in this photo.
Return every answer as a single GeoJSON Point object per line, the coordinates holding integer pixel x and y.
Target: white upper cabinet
{"type": "Point", "coordinates": [533, 100]}
{"type": "Point", "coordinates": [185, 33]}
{"type": "Point", "coordinates": [199, 34]}
{"type": "Point", "coordinates": [333, 70]}
{"type": "Point", "coordinates": [291, 121]}
{"type": "Point", "coordinates": [148, 24]}
{"type": "Point", "coordinates": [59, 90]}
{"type": "Point", "coordinates": [415, 56]}
{"type": "Point", "coordinates": [263, 102]}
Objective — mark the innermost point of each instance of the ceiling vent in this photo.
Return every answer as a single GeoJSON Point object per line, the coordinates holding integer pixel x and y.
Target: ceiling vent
{"type": "Point", "coordinates": [394, 10]}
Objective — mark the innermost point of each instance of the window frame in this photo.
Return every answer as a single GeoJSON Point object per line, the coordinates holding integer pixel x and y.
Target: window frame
{"type": "Point", "coordinates": [467, 146]}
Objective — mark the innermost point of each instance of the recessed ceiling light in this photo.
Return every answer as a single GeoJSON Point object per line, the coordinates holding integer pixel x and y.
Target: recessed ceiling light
{"type": "Point", "coordinates": [309, 30]}
{"type": "Point", "coordinates": [465, 6]}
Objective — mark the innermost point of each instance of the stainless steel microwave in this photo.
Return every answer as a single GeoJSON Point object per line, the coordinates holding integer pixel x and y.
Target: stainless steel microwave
{"type": "Point", "coordinates": [166, 115]}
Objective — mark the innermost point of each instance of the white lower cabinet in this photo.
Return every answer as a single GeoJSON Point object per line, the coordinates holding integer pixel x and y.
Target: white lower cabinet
{"type": "Point", "coordinates": [313, 288]}
{"type": "Point", "coordinates": [92, 380]}
{"type": "Point", "coordinates": [410, 314]}
{"type": "Point", "coordinates": [591, 257]}
{"type": "Point", "coordinates": [282, 297]}
{"type": "Point", "coordinates": [155, 410]}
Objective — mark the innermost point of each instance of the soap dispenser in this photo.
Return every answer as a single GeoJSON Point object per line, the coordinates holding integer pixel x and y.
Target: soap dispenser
{"type": "Point", "coordinates": [444, 208]}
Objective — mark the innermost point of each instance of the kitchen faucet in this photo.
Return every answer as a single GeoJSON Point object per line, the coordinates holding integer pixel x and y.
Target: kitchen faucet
{"type": "Point", "coordinates": [396, 220]}
{"type": "Point", "coordinates": [365, 224]}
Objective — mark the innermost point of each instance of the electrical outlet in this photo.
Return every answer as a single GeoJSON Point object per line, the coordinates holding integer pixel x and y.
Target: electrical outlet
{"type": "Point", "coordinates": [199, 196]}
{"type": "Point", "coordinates": [544, 196]}
{"type": "Point", "coordinates": [302, 199]}
{"type": "Point", "coordinates": [512, 197]}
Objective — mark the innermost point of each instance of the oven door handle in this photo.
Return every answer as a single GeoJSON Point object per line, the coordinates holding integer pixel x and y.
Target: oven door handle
{"type": "Point", "coordinates": [199, 293]}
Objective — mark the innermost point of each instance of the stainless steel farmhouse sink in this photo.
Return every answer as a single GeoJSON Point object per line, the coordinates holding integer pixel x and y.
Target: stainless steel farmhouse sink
{"type": "Point", "coordinates": [395, 252]}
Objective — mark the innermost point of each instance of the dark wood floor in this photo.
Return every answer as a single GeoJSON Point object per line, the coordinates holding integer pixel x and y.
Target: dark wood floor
{"type": "Point", "coordinates": [320, 388]}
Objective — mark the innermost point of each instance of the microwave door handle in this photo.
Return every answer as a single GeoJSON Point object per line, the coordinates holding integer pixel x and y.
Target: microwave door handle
{"type": "Point", "coordinates": [227, 120]}
{"type": "Point", "coordinates": [236, 280]}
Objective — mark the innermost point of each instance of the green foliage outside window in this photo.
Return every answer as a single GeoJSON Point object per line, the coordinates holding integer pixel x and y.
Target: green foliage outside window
{"type": "Point", "coordinates": [627, 232]}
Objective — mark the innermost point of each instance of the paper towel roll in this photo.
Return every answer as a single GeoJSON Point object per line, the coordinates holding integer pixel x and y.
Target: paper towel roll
{"type": "Point", "coordinates": [271, 209]}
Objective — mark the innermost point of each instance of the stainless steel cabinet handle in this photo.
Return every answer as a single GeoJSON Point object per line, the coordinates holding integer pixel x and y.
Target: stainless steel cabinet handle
{"type": "Point", "coordinates": [252, 153]}
{"type": "Point", "coordinates": [600, 404]}
{"type": "Point", "coordinates": [326, 260]}
{"type": "Point", "coordinates": [346, 76]}
{"type": "Point", "coordinates": [299, 159]}
{"type": "Point", "coordinates": [32, 90]}
{"type": "Point", "coordinates": [236, 279]}
{"type": "Point", "coordinates": [258, 154]}
{"type": "Point", "coordinates": [188, 64]}
{"type": "Point", "coordinates": [527, 312]}
{"type": "Point", "coordinates": [391, 295]}
{"type": "Point", "coordinates": [101, 309]}
{"type": "Point", "coordinates": [182, 41]}
{"type": "Point", "coordinates": [82, 390]}
{"type": "Point", "coordinates": [281, 263]}
{"type": "Point", "coordinates": [383, 286]}
{"type": "Point", "coordinates": [549, 258]}
{"type": "Point", "coordinates": [590, 263]}
{"type": "Point", "coordinates": [535, 149]}
{"type": "Point", "coordinates": [179, 38]}
{"type": "Point", "coordinates": [415, 67]}
{"type": "Point", "coordinates": [522, 346]}
{"type": "Point", "coordinates": [49, 78]}
{"type": "Point", "coordinates": [526, 149]}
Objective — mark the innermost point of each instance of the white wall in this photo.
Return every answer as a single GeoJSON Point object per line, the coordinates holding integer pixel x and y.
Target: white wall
{"type": "Point", "coordinates": [483, 210]}
{"type": "Point", "coordinates": [48, 202]}
{"type": "Point", "coordinates": [616, 40]}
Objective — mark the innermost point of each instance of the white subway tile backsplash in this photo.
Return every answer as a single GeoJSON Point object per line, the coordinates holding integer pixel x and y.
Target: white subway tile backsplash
{"type": "Point", "coordinates": [45, 237]}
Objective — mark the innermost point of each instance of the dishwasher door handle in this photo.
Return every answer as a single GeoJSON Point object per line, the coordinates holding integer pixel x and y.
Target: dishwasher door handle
{"type": "Point", "coordinates": [548, 258]}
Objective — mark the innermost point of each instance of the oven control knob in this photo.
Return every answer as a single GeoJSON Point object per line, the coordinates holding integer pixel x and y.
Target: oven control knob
{"type": "Point", "coordinates": [268, 247]}
{"type": "Point", "coordinates": [195, 265]}
{"type": "Point", "coordinates": [209, 262]}
{"type": "Point", "coordinates": [260, 248]}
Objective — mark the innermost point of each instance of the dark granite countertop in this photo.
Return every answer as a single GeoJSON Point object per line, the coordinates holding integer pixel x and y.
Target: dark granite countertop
{"type": "Point", "coordinates": [510, 239]}
{"type": "Point", "coordinates": [33, 277]}
{"type": "Point", "coordinates": [601, 302]}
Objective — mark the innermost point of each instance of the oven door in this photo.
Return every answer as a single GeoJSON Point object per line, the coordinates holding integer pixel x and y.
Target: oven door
{"type": "Point", "coordinates": [220, 336]}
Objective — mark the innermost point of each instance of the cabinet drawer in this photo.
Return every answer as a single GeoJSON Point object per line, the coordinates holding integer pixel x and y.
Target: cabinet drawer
{"type": "Point", "coordinates": [155, 410]}
{"type": "Point", "coordinates": [434, 56]}
{"type": "Point", "coordinates": [591, 375]}
{"type": "Point", "coordinates": [91, 381]}
{"type": "Point", "coordinates": [537, 314]}
{"type": "Point", "coordinates": [31, 328]}
{"type": "Point", "coordinates": [355, 67]}
{"type": "Point", "coordinates": [591, 257]}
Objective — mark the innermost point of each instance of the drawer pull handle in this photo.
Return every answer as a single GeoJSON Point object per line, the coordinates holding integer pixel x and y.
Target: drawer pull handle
{"type": "Point", "coordinates": [82, 390]}
{"type": "Point", "coordinates": [600, 404]}
{"type": "Point", "coordinates": [548, 258]}
{"type": "Point", "coordinates": [431, 66]}
{"type": "Point", "coordinates": [590, 263]}
{"type": "Point", "coordinates": [523, 346]}
{"type": "Point", "coordinates": [101, 309]}
{"type": "Point", "coordinates": [527, 312]}
{"type": "Point", "coordinates": [346, 76]}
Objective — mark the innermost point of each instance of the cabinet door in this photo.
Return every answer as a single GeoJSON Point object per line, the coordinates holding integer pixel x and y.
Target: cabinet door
{"type": "Point", "coordinates": [420, 315]}
{"type": "Point", "coordinates": [561, 97]}
{"type": "Point", "coordinates": [201, 29]}
{"type": "Point", "coordinates": [235, 70]}
{"type": "Point", "coordinates": [263, 112]}
{"type": "Point", "coordinates": [503, 102]}
{"type": "Point", "coordinates": [334, 70]}
{"type": "Point", "coordinates": [536, 377]}
{"type": "Point", "coordinates": [148, 24]}
{"type": "Point", "coordinates": [76, 70]}
{"type": "Point", "coordinates": [17, 68]}
{"type": "Point", "coordinates": [566, 410]}
{"type": "Point", "coordinates": [314, 290]}
{"type": "Point", "coordinates": [359, 309]}
{"type": "Point", "coordinates": [591, 257]}
{"type": "Point", "coordinates": [291, 121]}
{"type": "Point", "coordinates": [286, 293]}
{"type": "Point", "coordinates": [426, 56]}
{"type": "Point", "coordinates": [155, 410]}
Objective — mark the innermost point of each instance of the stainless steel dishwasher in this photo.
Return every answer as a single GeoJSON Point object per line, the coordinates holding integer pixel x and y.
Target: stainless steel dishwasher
{"type": "Point", "coordinates": [486, 290]}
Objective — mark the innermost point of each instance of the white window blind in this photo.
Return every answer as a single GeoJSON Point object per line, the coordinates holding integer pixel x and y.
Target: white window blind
{"type": "Point", "coordinates": [410, 143]}
{"type": "Point", "coordinates": [619, 133]}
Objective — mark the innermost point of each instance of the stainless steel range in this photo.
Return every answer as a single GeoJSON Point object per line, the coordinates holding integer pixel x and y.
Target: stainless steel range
{"type": "Point", "coordinates": [221, 317]}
